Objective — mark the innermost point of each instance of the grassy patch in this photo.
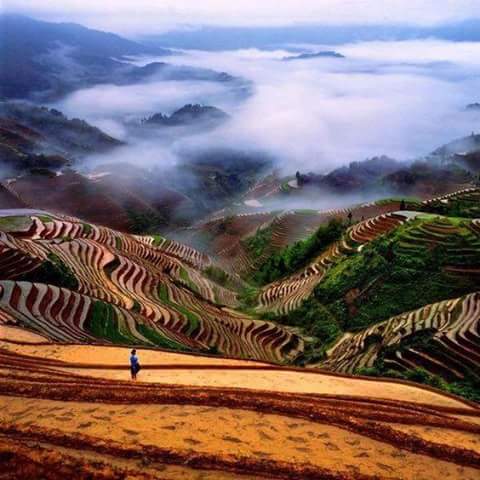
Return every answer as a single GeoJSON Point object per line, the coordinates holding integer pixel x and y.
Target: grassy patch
{"type": "Point", "coordinates": [298, 255]}
{"type": "Point", "coordinates": [158, 240]}
{"type": "Point", "coordinates": [103, 323]}
{"type": "Point", "coordinates": [158, 339]}
{"type": "Point", "coordinates": [397, 273]}
{"type": "Point", "coordinates": [53, 271]}
{"type": "Point", "coordinates": [219, 276]}
{"type": "Point", "coordinates": [12, 224]}
{"type": "Point", "coordinates": [467, 206]}
{"type": "Point", "coordinates": [186, 278]}
{"type": "Point", "coordinates": [316, 321]}
{"type": "Point", "coordinates": [411, 203]}
{"type": "Point", "coordinates": [258, 243]}
{"type": "Point", "coordinates": [87, 228]}
{"type": "Point", "coordinates": [192, 318]}
{"type": "Point", "coordinates": [248, 297]}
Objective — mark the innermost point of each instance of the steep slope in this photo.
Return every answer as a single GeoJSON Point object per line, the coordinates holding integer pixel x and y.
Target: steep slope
{"type": "Point", "coordinates": [242, 243]}
{"type": "Point", "coordinates": [77, 282]}
{"type": "Point", "coordinates": [395, 296]}
{"type": "Point", "coordinates": [28, 65]}
{"type": "Point", "coordinates": [43, 60]}
{"type": "Point", "coordinates": [441, 339]}
{"type": "Point", "coordinates": [48, 131]}
{"type": "Point", "coordinates": [285, 295]}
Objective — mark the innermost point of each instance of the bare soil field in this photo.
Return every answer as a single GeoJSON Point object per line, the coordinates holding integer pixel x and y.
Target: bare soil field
{"type": "Point", "coordinates": [192, 417]}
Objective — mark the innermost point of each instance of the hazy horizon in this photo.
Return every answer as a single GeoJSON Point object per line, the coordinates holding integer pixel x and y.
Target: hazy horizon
{"type": "Point", "coordinates": [153, 17]}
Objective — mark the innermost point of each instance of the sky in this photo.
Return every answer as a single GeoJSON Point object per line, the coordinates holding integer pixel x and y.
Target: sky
{"type": "Point", "coordinates": [156, 16]}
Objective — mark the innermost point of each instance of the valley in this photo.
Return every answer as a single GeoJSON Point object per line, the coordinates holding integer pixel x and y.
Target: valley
{"type": "Point", "coordinates": [238, 258]}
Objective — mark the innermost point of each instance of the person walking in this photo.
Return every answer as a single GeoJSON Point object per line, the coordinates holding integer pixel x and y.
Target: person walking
{"type": "Point", "coordinates": [134, 364]}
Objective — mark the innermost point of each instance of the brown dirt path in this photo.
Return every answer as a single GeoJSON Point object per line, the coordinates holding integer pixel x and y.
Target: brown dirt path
{"type": "Point", "coordinates": [173, 368]}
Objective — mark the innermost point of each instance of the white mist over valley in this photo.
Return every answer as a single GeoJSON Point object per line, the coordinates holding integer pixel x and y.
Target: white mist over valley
{"type": "Point", "coordinates": [401, 99]}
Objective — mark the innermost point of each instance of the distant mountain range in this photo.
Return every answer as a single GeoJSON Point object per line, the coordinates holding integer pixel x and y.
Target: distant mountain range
{"type": "Point", "coordinates": [225, 38]}
{"type": "Point", "coordinates": [456, 162]}
{"type": "Point", "coordinates": [307, 55]}
{"type": "Point", "coordinates": [473, 107]}
{"type": "Point", "coordinates": [33, 137]}
{"type": "Point", "coordinates": [57, 134]}
{"type": "Point", "coordinates": [188, 115]}
{"type": "Point", "coordinates": [43, 61]}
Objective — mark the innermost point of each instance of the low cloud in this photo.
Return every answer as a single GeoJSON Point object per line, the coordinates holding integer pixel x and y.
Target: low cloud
{"type": "Point", "coordinates": [402, 99]}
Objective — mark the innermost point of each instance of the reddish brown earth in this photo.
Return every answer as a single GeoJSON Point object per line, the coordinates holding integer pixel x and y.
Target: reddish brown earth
{"type": "Point", "coordinates": [71, 194]}
{"type": "Point", "coordinates": [69, 411]}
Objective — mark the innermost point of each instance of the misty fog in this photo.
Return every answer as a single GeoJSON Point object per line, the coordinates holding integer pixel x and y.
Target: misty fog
{"type": "Point", "coordinates": [401, 99]}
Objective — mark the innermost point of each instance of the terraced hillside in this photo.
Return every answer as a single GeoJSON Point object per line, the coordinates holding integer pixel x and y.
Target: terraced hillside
{"type": "Point", "coordinates": [286, 295]}
{"type": "Point", "coordinates": [364, 301]}
{"type": "Point", "coordinates": [67, 412]}
{"type": "Point", "coordinates": [442, 338]}
{"type": "Point", "coordinates": [241, 243]}
{"type": "Point", "coordinates": [77, 282]}
{"type": "Point", "coordinates": [457, 237]}
{"type": "Point", "coordinates": [464, 203]}
{"type": "Point", "coordinates": [392, 295]}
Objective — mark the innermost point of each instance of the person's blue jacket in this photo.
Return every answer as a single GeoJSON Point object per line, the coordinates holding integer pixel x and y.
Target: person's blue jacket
{"type": "Point", "coordinates": [133, 361]}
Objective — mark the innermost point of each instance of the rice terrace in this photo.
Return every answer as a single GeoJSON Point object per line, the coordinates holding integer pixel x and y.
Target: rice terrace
{"type": "Point", "coordinates": [239, 241]}
{"type": "Point", "coordinates": [73, 292]}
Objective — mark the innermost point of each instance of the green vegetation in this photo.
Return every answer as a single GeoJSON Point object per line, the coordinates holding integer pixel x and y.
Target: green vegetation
{"type": "Point", "coordinates": [298, 255]}
{"type": "Point", "coordinates": [159, 240]}
{"type": "Point", "coordinates": [13, 224]}
{"type": "Point", "coordinates": [186, 278]}
{"type": "Point", "coordinates": [103, 323]}
{"type": "Point", "coordinates": [315, 321]}
{"type": "Point", "coordinates": [258, 243]}
{"type": "Point", "coordinates": [219, 276]}
{"type": "Point", "coordinates": [158, 339]}
{"type": "Point", "coordinates": [411, 203]}
{"type": "Point", "coordinates": [248, 297]}
{"type": "Point", "coordinates": [53, 272]}
{"type": "Point", "coordinates": [87, 228]}
{"type": "Point", "coordinates": [285, 187]}
{"type": "Point", "coordinates": [467, 387]}
{"type": "Point", "coordinates": [192, 318]}
{"type": "Point", "coordinates": [467, 206]}
{"type": "Point", "coordinates": [136, 307]}
{"type": "Point", "coordinates": [374, 285]}
{"type": "Point", "coordinates": [143, 222]}
{"type": "Point", "coordinates": [216, 274]}
{"type": "Point", "coordinates": [396, 273]}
